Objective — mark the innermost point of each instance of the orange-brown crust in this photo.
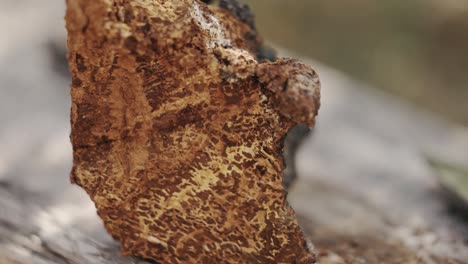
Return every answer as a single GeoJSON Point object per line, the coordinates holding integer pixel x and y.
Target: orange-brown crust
{"type": "Point", "coordinates": [177, 131]}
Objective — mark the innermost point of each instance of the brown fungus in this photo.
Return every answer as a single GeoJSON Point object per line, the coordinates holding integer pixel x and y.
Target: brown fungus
{"type": "Point", "coordinates": [177, 130]}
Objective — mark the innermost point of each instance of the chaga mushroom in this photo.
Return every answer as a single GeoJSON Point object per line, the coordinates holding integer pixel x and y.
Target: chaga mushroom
{"type": "Point", "coordinates": [177, 130]}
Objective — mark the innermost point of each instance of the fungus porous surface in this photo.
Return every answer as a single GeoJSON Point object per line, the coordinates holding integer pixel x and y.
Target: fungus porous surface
{"type": "Point", "coordinates": [177, 130]}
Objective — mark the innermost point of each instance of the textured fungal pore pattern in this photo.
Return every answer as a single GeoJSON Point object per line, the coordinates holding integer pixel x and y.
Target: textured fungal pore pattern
{"type": "Point", "coordinates": [177, 131]}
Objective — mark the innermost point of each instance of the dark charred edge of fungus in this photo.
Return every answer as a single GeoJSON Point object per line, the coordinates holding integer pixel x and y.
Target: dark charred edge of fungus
{"type": "Point", "coordinates": [240, 11]}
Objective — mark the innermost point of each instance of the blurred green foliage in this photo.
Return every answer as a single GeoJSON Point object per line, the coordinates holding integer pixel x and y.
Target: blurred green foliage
{"type": "Point", "coordinates": [416, 49]}
{"type": "Point", "coordinates": [454, 181]}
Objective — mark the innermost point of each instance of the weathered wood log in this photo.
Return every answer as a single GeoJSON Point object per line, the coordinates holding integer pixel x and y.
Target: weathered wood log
{"type": "Point", "coordinates": [31, 234]}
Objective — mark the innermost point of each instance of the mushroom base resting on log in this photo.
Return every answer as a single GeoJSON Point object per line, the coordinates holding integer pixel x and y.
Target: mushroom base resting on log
{"type": "Point", "coordinates": [178, 128]}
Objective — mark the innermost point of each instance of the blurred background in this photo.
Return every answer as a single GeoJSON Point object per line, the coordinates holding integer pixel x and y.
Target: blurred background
{"type": "Point", "coordinates": [416, 49]}
{"type": "Point", "coordinates": [394, 120]}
